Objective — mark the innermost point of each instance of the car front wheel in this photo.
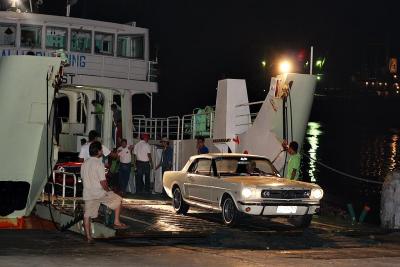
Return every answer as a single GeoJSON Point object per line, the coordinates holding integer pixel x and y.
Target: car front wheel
{"type": "Point", "coordinates": [179, 205]}
{"type": "Point", "coordinates": [230, 214]}
{"type": "Point", "coordinates": [303, 221]}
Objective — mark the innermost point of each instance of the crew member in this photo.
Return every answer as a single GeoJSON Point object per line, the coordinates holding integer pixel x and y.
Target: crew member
{"type": "Point", "coordinates": [125, 159]}
{"type": "Point", "coordinates": [293, 166]}
{"type": "Point", "coordinates": [166, 159]}
{"type": "Point", "coordinates": [142, 154]}
{"type": "Point", "coordinates": [84, 153]}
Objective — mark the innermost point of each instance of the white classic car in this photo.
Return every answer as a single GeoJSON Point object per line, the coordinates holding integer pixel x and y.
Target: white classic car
{"type": "Point", "coordinates": [240, 183]}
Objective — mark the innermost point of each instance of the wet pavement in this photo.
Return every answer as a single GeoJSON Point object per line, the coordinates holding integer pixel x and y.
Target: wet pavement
{"type": "Point", "coordinates": [158, 237]}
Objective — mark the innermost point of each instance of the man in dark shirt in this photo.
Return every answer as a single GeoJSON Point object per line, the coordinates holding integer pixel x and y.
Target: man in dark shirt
{"type": "Point", "coordinates": [201, 147]}
{"type": "Point", "coordinates": [166, 158]}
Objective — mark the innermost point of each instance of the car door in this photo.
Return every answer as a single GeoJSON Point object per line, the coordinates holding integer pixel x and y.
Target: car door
{"type": "Point", "coordinates": [198, 180]}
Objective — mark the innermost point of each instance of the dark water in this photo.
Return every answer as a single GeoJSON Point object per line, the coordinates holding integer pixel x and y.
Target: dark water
{"type": "Point", "coordinates": [357, 135]}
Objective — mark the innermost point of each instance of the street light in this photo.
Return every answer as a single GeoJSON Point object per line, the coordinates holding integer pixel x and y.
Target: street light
{"type": "Point", "coordinates": [285, 66]}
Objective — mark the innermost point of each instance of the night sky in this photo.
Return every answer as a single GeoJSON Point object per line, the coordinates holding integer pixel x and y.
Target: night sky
{"type": "Point", "coordinates": [199, 42]}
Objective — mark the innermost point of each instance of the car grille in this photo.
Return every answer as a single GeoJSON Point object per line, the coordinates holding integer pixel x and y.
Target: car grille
{"type": "Point", "coordinates": [285, 194]}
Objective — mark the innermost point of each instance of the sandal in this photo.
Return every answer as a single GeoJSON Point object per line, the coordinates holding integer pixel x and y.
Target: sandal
{"type": "Point", "coordinates": [120, 226]}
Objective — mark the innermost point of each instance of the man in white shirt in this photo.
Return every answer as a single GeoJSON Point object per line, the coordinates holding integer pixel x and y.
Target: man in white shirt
{"type": "Point", "coordinates": [96, 190]}
{"type": "Point", "coordinates": [142, 152]}
{"type": "Point", "coordinates": [84, 153]}
{"type": "Point", "coordinates": [125, 159]}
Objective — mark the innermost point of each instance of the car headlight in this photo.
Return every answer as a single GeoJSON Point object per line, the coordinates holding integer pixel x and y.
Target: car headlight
{"type": "Point", "coordinates": [248, 192]}
{"type": "Point", "coordinates": [317, 193]}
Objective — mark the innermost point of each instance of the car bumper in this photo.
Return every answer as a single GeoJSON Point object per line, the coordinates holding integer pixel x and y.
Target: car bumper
{"type": "Point", "coordinates": [277, 209]}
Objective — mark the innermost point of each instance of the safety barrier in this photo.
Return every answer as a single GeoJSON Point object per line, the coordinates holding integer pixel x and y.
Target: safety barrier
{"type": "Point", "coordinates": [175, 128]}
{"type": "Point", "coordinates": [55, 182]}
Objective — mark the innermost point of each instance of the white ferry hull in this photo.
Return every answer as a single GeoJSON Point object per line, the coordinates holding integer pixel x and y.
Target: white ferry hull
{"type": "Point", "coordinates": [23, 120]}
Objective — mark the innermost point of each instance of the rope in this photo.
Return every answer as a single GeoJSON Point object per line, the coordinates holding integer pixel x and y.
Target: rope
{"type": "Point", "coordinates": [342, 173]}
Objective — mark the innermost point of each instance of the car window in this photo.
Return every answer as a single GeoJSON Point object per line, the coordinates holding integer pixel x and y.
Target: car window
{"type": "Point", "coordinates": [244, 166]}
{"type": "Point", "coordinates": [203, 167]}
{"type": "Point", "coordinates": [192, 167]}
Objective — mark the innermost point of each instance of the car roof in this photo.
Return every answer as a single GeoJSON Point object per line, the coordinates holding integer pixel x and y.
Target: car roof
{"type": "Point", "coordinates": [225, 155]}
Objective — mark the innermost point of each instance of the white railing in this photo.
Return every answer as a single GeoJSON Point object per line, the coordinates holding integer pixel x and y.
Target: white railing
{"type": "Point", "coordinates": [64, 185]}
{"type": "Point", "coordinates": [175, 128]}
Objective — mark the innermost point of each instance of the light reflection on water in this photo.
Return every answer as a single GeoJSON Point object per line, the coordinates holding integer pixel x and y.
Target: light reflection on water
{"type": "Point", "coordinates": [370, 155]}
{"type": "Point", "coordinates": [313, 133]}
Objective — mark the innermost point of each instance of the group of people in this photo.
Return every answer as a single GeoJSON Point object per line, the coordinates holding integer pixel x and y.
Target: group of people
{"type": "Point", "coordinates": [96, 188]}
{"type": "Point", "coordinates": [95, 157]}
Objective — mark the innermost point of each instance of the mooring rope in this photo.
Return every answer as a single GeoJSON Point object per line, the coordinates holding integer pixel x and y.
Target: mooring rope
{"type": "Point", "coordinates": [341, 172]}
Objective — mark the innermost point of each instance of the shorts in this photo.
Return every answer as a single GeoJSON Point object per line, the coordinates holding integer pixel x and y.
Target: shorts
{"type": "Point", "coordinates": [110, 199]}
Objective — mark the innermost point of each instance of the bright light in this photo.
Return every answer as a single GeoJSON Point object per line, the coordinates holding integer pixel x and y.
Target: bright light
{"type": "Point", "coordinates": [366, 83]}
{"type": "Point", "coordinates": [264, 63]}
{"type": "Point", "coordinates": [318, 78]}
{"type": "Point", "coordinates": [246, 192]}
{"type": "Point", "coordinates": [317, 193]}
{"type": "Point", "coordinates": [395, 76]}
{"type": "Point", "coordinates": [14, 3]}
{"type": "Point", "coordinates": [285, 66]}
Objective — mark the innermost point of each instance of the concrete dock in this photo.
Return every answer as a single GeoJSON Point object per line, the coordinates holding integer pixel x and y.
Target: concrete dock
{"type": "Point", "coordinates": [158, 237]}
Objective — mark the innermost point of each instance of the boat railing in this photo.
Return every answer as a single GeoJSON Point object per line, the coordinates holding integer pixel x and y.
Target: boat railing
{"type": "Point", "coordinates": [68, 181]}
{"type": "Point", "coordinates": [152, 72]}
{"type": "Point", "coordinates": [175, 128]}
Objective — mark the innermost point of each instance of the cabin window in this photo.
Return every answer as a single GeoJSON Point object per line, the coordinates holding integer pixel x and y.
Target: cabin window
{"type": "Point", "coordinates": [131, 46]}
{"type": "Point", "coordinates": [7, 34]}
{"type": "Point", "coordinates": [31, 36]}
{"type": "Point", "coordinates": [56, 38]}
{"type": "Point", "coordinates": [104, 43]}
{"type": "Point", "coordinates": [81, 41]}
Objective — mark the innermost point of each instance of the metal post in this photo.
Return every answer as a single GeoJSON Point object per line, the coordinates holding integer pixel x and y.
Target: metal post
{"type": "Point", "coordinates": [151, 105]}
{"type": "Point", "coordinates": [30, 4]}
{"type": "Point", "coordinates": [311, 59]}
{"type": "Point", "coordinates": [68, 9]}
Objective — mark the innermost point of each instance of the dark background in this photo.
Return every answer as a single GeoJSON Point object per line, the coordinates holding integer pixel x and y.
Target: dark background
{"type": "Point", "coordinates": [199, 42]}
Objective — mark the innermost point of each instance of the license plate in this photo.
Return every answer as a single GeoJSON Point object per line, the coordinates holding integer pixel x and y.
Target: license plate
{"type": "Point", "coordinates": [286, 209]}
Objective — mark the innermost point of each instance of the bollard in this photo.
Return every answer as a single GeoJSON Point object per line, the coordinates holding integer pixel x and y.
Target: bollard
{"type": "Point", "coordinates": [364, 213]}
{"type": "Point", "coordinates": [352, 213]}
{"type": "Point", "coordinates": [390, 201]}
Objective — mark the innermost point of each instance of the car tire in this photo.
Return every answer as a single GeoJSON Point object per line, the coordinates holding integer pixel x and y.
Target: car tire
{"type": "Point", "coordinates": [179, 205]}
{"type": "Point", "coordinates": [230, 214]}
{"type": "Point", "coordinates": [303, 221]}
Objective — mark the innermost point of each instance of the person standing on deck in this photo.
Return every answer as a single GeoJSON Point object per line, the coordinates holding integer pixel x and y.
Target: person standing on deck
{"type": "Point", "coordinates": [293, 166]}
{"type": "Point", "coordinates": [84, 153]}
{"type": "Point", "coordinates": [117, 124]}
{"type": "Point", "coordinates": [142, 154]}
{"type": "Point", "coordinates": [166, 159]}
{"type": "Point", "coordinates": [98, 111]}
{"type": "Point", "coordinates": [125, 159]}
{"type": "Point", "coordinates": [96, 190]}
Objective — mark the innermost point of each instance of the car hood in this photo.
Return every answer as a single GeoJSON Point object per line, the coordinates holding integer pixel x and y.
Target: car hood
{"type": "Point", "coordinates": [268, 181]}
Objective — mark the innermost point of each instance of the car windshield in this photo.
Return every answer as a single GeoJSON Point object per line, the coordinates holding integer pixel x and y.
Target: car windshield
{"type": "Point", "coordinates": [245, 166]}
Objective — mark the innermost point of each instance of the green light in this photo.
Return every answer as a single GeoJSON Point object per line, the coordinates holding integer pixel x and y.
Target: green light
{"type": "Point", "coordinates": [318, 78]}
{"type": "Point", "coordinates": [320, 63]}
{"type": "Point", "coordinates": [264, 63]}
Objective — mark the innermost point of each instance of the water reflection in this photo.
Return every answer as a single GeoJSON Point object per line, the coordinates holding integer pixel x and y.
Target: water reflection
{"type": "Point", "coordinates": [313, 133]}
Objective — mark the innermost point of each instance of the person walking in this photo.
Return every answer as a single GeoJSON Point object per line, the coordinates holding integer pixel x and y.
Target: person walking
{"type": "Point", "coordinates": [125, 159]}
{"type": "Point", "coordinates": [142, 154]}
{"type": "Point", "coordinates": [96, 190]}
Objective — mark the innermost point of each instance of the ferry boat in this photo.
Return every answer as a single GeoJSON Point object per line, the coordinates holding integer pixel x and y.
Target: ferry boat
{"type": "Point", "coordinates": [109, 63]}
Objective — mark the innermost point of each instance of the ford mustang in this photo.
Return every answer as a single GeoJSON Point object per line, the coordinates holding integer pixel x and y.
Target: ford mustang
{"type": "Point", "coordinates": [237, 184]}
